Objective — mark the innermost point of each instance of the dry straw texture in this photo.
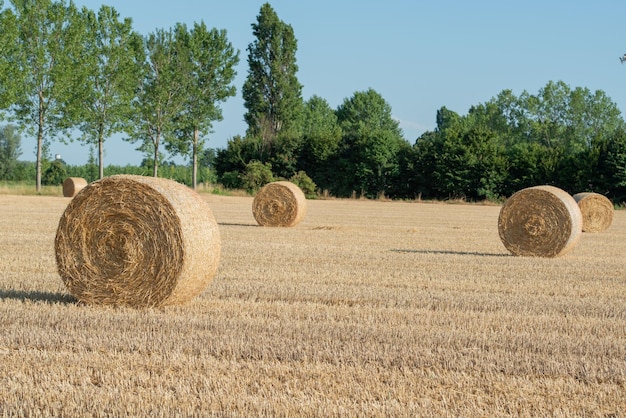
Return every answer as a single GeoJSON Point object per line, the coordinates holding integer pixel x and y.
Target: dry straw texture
{"type": "Point", "coordinates": [365, 309]}
{"type": "Point", "coordinates": [280, 203]}
{"type": "Point", "coordinates": [137, 241]}
{"type": "Point", "coordinates": [597, 211]}
{"type": "Point", "coordinates": [73, 185]}
{"type": "Point", "coordinates": [540, 221]}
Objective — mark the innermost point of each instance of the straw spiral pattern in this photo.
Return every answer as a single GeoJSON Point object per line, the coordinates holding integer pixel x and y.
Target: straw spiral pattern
{"type": "Point", "coordinates": [137, 241]}
{"type": "Point", "coordinates": [279, 204]}
{"type": "Point", "coordinates": [540, 221]}
{"type": "Point", "coordinates": [597, 211]}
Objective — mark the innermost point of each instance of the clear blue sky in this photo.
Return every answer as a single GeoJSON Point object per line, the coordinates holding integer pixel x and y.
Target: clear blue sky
{"type": "Point", "coordinates": [419, 55]}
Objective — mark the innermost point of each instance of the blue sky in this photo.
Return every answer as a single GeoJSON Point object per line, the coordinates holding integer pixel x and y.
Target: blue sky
{"type": "Point", "coordinates": [419, 55]}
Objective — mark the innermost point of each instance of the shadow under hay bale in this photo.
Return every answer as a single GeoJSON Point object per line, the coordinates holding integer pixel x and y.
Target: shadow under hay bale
{"type": "Point", "coordinates": [279, 204]}
{"type": "Point", "coordinates": [137, 241]}
{"type": "Point", "coordinates": [597, 211]}
{"type": "Point", "coordinates": [540, 221]}
{"type": "Point", "coordinates": [73, 185]}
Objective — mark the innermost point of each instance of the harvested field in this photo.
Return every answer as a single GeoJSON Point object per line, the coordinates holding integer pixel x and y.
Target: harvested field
{"type": "Point", "coordinates": [365, 308]}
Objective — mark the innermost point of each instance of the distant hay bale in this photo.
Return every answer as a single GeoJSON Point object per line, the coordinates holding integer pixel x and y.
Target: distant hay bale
{"type": "Point", "coordinates": [137, 241]}
{"type": "Point", "coordinates": [73, 185]}
{"type": "Point", "coordinates": [597, 211]}
{"type": "Point", "coordinates": [540, 221]}
{"type": "Point", "coordinates": [280, 203]}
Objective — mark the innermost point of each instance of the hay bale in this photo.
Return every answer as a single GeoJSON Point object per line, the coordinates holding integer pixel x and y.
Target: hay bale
{"type": "Point", "coordinates": [137, 241]}
{"type": "Point", "coordinates": [280, 203]}
{"type": "Point", "coordinates": [540, 221]}
{"type": "Point", "coordinates": [597, 211]}
{"type": "Point", "coordinates": [73, 185]}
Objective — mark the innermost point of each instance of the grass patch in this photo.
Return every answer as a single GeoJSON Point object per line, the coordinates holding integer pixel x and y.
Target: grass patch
{"type": "Point", "coordinates": [24, 188]}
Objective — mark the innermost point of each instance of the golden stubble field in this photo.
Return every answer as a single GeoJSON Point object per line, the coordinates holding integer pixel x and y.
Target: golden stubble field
{"type": "Point", "coordinates": [366, 308]}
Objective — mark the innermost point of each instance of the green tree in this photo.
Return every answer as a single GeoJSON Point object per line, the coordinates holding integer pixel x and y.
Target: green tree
{"type": "Point", "coordinates": [464, 157]}
{"type": "Point", "coordinates": [370, 144]}
{"type": "Point", "coordinates": [161, 96]}
{"type": "Point", "coordinates": [9, 50]}
{"type": "Point", "coordinates": [208, 70]}
{"type": "Point", "coordinates": [115, 57]}
{"type": "Point", "coordinates": [256, 175]}
{"type": "Point", "coordinates": [305, 183]}
{"type": "Point", "coordinates": [611, 174]}
{"type": "Point", "coordinates": [47, 67]}
{"type": "Point", "coordinates": [10, 151]}
{"type": "Point", "coordinates": [272, 93]}
{"type": "Point", "coordinates": [55, 174]}
{"type": "Point", "coordinates": [233, 159]}
{"type": "Point", "coordinates": [557, 135]}
{"type": "Point", "coordinates": [320, 141]}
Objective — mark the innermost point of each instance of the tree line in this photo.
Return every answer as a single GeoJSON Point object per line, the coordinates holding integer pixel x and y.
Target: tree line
{"type": "Point", "coordinates": [570, 138]}
{"type": "Point", "coordinates": [63, 68]}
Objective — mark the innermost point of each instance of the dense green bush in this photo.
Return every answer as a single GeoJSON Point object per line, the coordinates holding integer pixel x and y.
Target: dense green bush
{"type": "Point", "coordinates": [55, 174]}
{"type": "Point", "coordinates": [256, 175]}
{"type": "Point", "coordinates": [305, 183]}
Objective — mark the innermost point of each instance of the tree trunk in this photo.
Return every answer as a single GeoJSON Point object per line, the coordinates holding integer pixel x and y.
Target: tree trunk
{"type": "Point", "coordinates": [100, 159]}
{"type": "Point", "coordinates": [100, 153]}
{"type": "Point", "coordinates": [155, 168]}
{"type": "Point", "coordinates": [39, 145]}
{"type": "Point", "coordinates": [39, 156]}
{"type": "Point", "coordinates": [194, 164]}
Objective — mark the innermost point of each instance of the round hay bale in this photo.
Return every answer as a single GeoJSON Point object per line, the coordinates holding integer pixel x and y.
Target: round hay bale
{"type": "Point", "coordinates": [597, 211]}
{"type": "Point", "coordinates": [73, 185]}
{"type": "Point", "coordinates": [137, 241]}
{"type": "Point", "coordinates": [540, 221]}
{"type": "Point", "coordinates": [280, 203]}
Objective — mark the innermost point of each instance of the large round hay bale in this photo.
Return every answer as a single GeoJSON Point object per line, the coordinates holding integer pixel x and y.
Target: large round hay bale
{"type": "Point", "coordinates": [137, 241]}
{"type": "Point", "coordinates": [597, 211]}
{"type": "Point", "coordinates": [73, 185]}
{"type": "Point", "coordinates": [280, 203]}
{"type": "Point", "coordinates": [540, 221]}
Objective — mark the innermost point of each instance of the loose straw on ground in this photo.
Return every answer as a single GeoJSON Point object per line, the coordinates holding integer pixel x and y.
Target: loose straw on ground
{"type": "Point", "coordinates": [73, 185]}
{"type": "Point", "coordinates": [280, 203]}
{"type": "Point", "coordinates": [540, 221]}
{"type": "Point", "coordinates": [137, 241]}
{"type": "Point", "coordinates": [597, 211]}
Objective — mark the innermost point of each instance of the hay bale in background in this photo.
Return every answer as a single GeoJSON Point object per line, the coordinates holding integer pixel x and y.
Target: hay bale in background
{"type": "Point", "coordinates": [137, 241]}
{"type": "Point", "coordinates": [73, 185]}
{"type": "Point", "coordinates": [280, 203]}
{"type": "Point", "coordinates": [597, 211]}
{"type": "Point", "coordinates": [540, 221]}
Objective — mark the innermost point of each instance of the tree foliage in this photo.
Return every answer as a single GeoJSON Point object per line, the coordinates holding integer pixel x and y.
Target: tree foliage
{"type": "Point", "coordinates": [161, 96]}
{"type": "Point", "coordinates": [321, 135]}
{"type": "Point", "coordinates": [114, 60]}
{"type": "Point", "coordinates": [10, 150]}
{"type": "Point", "coordinates": [370, 144]}
{"type": "Point", "coordinates": [46, 66]}
{"type": "Point", "coordinates": [272, 93]}
{"type": "Point", "coordinates": [208, 69]}
{"type": "Point", "coordinates": [559, 136]}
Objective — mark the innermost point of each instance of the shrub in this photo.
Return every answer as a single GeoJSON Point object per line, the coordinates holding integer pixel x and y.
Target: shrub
{"type": "Point", "coordinates": [305, 183]}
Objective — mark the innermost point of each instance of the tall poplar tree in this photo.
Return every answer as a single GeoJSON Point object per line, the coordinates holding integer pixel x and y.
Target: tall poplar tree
{"type": "Point", "coordinates": [161, 96]}
{"type": "Point", "coordinates": [47, 65]}
{"type": "Point", "coordinates": [272, 94]}
{"type": "Point", "coordinates": [8, 52]}
{"type": "Point", "coordinates": [115, 57]}
{"type": "Point", "coordinates": [208, 71]}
